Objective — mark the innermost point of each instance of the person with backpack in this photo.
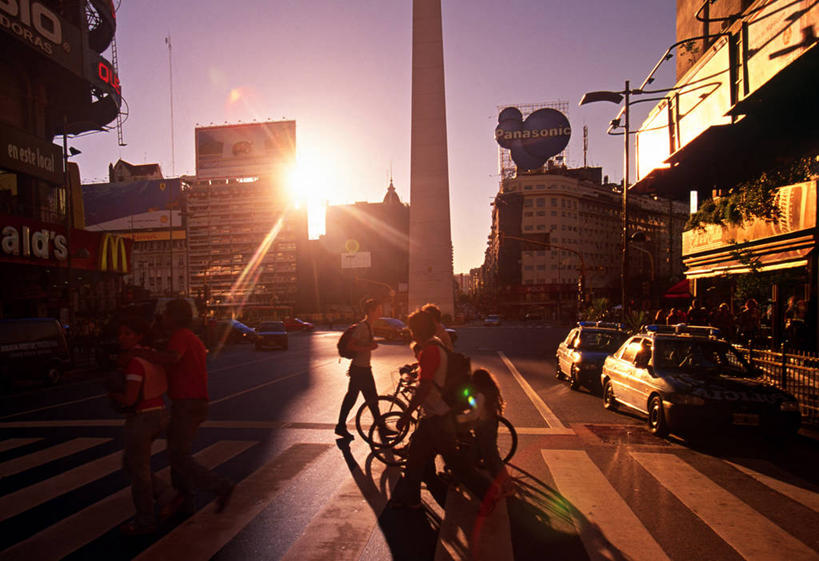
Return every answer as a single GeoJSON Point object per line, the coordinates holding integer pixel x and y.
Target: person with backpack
{"type": "Point", "coordinates": [435, 433]}
{"type": "Point", "coordinates": [357, 343]}
{"type": "Point", "coordinates": [440, 331]}
{"type": "Point", "coordinates": [145, 419]}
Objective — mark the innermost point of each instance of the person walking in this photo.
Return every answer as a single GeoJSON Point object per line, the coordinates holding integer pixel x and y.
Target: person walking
{"type": "Point", "coordinates": [362, 343]}
{"type": "Point", "coordinates": [185, 359]}
{"type": "Point", "coordinates": [145, 419]}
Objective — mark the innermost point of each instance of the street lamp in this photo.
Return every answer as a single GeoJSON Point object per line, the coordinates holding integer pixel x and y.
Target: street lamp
{"type": "Point", "coordinates": [617, 97]}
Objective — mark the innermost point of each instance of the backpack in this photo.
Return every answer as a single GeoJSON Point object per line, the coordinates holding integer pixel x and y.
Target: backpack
{"type": "Point", "coordinates": [155, 381]}
{"type": "Point", "coordinates": [458, 380]}
{"type": "Point", "coordinates": [344, 341]}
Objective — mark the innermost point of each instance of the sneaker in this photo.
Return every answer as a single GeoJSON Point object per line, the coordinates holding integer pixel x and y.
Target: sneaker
{"type": "Point", "coordinates": [341, 430]}
{"type": "Point", "coordinates": [133, 529]}
{"type": "Point", "coordinates": [224, 498]}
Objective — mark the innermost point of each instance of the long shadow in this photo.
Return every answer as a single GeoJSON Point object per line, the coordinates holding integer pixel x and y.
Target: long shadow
{"type": "Point", "coordinates": [410, 534]}
{"type": "Point", "coordinates": [543, 524]}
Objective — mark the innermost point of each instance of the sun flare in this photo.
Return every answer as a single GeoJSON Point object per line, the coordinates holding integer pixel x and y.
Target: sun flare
{"type": "Point", "coordinates": [309, 185]}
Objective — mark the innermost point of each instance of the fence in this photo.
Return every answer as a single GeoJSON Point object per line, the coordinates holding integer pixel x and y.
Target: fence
{"type": "Point", "coordinates": [796, 372]}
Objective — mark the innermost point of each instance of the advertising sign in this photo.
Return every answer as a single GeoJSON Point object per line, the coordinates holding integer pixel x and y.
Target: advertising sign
{"type": "Point", "coordinates": [251, 150]}
{"type": "Point", "coordinates": [25, 153]}
{"type": "Point", "coordinates": [113, 256]}
{"type": "Point", "coordinates": [360, 260]}
{"type": "Point", "coordinates": [544, 133]}
{"type": "Point", "coordinates": [43, 31]}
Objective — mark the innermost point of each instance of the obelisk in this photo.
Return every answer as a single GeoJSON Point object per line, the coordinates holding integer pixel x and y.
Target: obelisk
{"type": "Point", "coordinates": [430, 256]}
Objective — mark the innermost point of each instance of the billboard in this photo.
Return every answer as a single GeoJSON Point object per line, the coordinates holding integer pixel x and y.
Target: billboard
{"type": "Point", "coordinates": [359, 260]}
{"type": "Point", "coordinates": [543, 134]}
{"type": "Point", "coordinates": [251, 150]}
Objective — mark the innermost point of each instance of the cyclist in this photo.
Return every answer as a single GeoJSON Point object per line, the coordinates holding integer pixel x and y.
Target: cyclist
{"type": "Point", "coordinates": [435, 433]}
{"type": "Point", "coordinates": [487, 404]}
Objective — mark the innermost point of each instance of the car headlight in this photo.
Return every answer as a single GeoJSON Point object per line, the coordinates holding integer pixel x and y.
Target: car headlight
{"type": "Point", "coordinates": [789, 406]}
{"type": "Point", "coordinates": [684, 399]}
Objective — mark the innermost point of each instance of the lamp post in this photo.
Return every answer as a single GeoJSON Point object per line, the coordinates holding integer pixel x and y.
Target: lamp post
{"type": "Point", "coordinates": [617, 97]}
{"type": "Point", "coordinates": [69, 225]}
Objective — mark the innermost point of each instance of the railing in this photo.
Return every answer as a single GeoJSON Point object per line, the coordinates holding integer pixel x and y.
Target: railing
{"type": "Point", "coordinates": [796, 372]}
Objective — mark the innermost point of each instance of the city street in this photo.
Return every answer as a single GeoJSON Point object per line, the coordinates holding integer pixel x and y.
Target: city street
{"type": "Point", "coordinates": [593, 484]}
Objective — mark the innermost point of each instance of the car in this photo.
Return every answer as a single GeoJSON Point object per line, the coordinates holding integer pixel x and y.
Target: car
{"type": "Point", "coordinates": [232, 331]}
{"type": "Point", "coordinates": [689, 380]}
{"type": "Point", "coordinates": [295, 324]}
{"type": "Point", "coordinates": [391, 329]}
{"type": "Point", "coordinates": [453, 335]}
{"type": "Point", "coordinates": [492, 320]}
{"type": "Point", "coordinates": [271, 334]}
{"type": "Point", "coordinates": [33, 348]}
{"type": "Point", "coordinates": [579, 357]}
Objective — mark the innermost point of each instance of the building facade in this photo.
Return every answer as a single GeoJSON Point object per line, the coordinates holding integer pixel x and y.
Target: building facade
{"type": "Point", "coordinates": [572, 222]}
{"type": "Point", "coordinates": [55, 82]}
{"type": "Point", "coordinates": [744, 149]}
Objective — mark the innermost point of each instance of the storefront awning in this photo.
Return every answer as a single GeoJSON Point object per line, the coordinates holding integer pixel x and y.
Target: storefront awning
{"type": "Point", "coordinates": [767, 262]}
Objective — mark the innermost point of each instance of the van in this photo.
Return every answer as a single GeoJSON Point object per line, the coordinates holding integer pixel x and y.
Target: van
{"type": "Point", "coordinates": [33, 348]}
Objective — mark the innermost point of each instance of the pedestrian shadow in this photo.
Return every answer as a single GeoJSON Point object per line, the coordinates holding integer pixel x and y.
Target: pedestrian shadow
{"type": "Point", "coordinates": [410, 534]}
{"type": "Point", "coordinates": [542, 520]}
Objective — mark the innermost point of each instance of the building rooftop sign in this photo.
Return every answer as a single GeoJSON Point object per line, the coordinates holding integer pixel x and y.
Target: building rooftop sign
{"type": "Point", "coordinates": [543, 134]}
{"type": "Point", "coordinates": [250, 150]}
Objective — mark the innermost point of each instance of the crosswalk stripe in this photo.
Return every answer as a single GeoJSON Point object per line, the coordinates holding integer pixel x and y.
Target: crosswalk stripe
{"type": "Point", "coordinates": [12, 443]}
{"type": "Point", "coordinates": [742, 527]}
{"type": "Point", "coordinates": [598, 504]}
{"type": "Point", "coordinates": [61, 450]}
{"type": "Point", "coordinates": [79, 529]}
{"type": "Point", "coordinates": [488, 537]}
{"type": "Point", "coordinates": [799, 494]}
{"type": "Point", "coordinates": [204, 534]}
{"type": "Point", "coordinates": [20, 501]}
{"type": "Point", "coordinates": [547, 414]}
{"type": "Point", "coordinates": [353, 508]}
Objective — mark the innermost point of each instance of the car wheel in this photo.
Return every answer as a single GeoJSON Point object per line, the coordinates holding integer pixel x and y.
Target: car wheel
{"type": "Point", "coordinates": [574, 384]}
{"type": "Point", "coordinates": [609, 401]}
{"type": "Point", "coordinates": [53, 375]}
{"type": "Point", "coordinates": [558, 373]}
{"type": "Point", "coordinates": [657, 423]}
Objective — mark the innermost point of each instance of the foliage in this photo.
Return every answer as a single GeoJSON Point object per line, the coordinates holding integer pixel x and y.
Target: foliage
{"type": "Point", "coordinates": [755, 198]}
{"type": "Point", "coordinates": [757, 284]}
{"type": "Point", "coordinates": [635, 319]}
{"type": "Point", "coordinates": [597, 310]}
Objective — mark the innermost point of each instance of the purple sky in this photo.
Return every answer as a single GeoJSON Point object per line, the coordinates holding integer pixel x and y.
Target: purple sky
{"type": "Point", "coordinates": [342, 68]}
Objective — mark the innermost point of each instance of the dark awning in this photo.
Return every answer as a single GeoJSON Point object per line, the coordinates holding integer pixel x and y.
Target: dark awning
{"type": "Point", "coordinates": [679, 291]}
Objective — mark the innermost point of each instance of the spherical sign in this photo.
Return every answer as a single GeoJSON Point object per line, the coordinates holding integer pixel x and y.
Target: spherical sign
{"type": "Point", "coordinates": [543, 134]}
{"type": "Point", "coordinates": [352, 246]}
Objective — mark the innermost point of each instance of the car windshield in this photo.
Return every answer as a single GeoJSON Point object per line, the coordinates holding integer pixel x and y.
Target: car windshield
{"type": "Point", "coordinates": [271, 326]}
{"type": "Point", "coordinates": [607, 341]}
{"type": "Point", "coordinates": [698, 356]}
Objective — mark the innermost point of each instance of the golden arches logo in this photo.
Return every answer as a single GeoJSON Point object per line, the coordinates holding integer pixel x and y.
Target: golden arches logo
{"type": "Point", "coordinates": [112, 250]}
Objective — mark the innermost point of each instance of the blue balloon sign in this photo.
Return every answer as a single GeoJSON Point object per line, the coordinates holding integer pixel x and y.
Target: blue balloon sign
{"type": "Point", "coordinates": [543, 134]}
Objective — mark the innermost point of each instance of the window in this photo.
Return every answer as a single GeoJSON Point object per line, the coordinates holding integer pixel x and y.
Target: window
{"type": "Point", "coordinates": [541, 213]}
{"type": "Point", "coordinates": [554, 201]}
{"type": "Point", "coordinates": [528, 213]}
{"type": "Point", "coordinates": [541, 202]}
{"type": "Point", "coordinates": [527, 203]}
{"type": "Point", "coordinates": [554, 213]}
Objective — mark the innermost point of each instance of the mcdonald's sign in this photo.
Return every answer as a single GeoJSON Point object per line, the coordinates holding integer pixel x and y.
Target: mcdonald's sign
{"type": "Point", "coordinates": [113, 254]}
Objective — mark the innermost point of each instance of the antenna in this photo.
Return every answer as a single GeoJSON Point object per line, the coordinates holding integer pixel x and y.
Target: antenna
{"type": "Point", "coordinates": [585, 144]}
{"type": "Point", "coordinates": [115, 63]}
{"type": "Point", "coordinates": [170, 72]}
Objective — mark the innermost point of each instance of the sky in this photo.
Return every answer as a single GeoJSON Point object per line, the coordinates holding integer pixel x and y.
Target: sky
{"type": "Point", "coordinates": [342, 70]}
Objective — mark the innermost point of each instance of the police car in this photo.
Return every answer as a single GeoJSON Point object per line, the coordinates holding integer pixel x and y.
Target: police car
{"type": "Point", "coordinates": [688, 379]}
{"type": "Point", "coordinates": [580, 355]}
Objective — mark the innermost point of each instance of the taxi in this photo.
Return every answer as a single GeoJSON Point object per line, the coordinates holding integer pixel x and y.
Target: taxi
{"type": "Point", "coordinates": [579, 357]}
{"type": "Point", "coordinates": [688, 379]}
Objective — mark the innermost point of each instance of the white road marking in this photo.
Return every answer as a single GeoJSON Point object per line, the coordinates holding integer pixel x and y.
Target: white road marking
{"type": "Point", "coordinates": [743, 528]}
{"type": "Point", "coordinates": [547, 414]}
{"type": "Point", "coordinates": [798, 493]}
{"type": "Point", "coordinates": [12, 443]}
{"type": "Point", "coordinates": [40, 457]}
{"type": "Point", "coordinates": [606, 521]}
{"type": "Point", "coordinates": [70, 534]}
{"type": "Point", "coordinates": [33, 495]}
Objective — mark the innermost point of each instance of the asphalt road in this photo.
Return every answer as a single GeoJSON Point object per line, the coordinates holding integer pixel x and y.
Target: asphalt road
{"type": "Point", "coordinates": [592, 484]}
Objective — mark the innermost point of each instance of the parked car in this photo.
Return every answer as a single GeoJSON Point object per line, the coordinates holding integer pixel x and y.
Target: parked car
{"type": "Point", "coordinates": [295, 324]}
{"type": "Point", "coordinates": [579, 357]}
{"type": "Point", "coordinates": [689, 380]}
{"type": "Point", "coordinates": [33, 348]}
{"type": "Point", "coordinates": [391, 329]}
{"type": "Point", "coordinates": [492, 320]}
{"type": "Point", "coordinates": [271, 334]}
{"type": "Point", "coordinates": [232, 331]}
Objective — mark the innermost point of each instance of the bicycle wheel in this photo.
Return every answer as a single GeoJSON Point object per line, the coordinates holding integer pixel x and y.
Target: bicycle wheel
{"type": "Point", "coordinates": [507, 440]}
{"type": "Point", "coordinates": [364, 417]}
{"type": "Point", "coordinates": [392, 450]}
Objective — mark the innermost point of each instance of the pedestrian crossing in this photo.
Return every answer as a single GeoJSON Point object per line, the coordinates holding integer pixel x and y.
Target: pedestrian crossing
{"type": "Point", "coordinates": [589, 506]}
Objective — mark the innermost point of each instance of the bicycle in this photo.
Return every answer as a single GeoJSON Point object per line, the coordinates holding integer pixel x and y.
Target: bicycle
{"type": "Point", "coordinates": [394, 450]}
{"type": "Point", "coordinates": [396, 402]}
